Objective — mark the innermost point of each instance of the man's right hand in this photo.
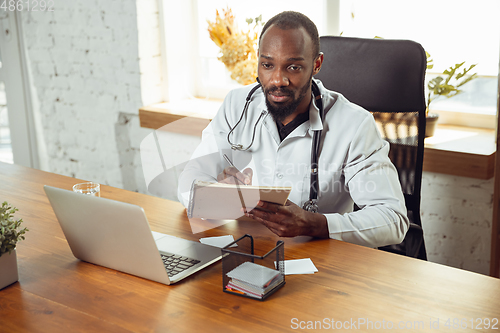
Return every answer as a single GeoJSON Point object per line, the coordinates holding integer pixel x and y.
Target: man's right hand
{"type": "Point", "coordinates": [231, 175]}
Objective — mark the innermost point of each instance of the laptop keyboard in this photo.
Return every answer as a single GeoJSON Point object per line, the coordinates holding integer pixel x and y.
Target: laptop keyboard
{"type": "Point", "coordinates": [175, 264]}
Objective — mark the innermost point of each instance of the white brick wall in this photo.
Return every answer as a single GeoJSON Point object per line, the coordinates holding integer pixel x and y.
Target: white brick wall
{"type": "Point", "coordinates": [84, 63]}
{"type": "Point", "coordinates": [456, 215]}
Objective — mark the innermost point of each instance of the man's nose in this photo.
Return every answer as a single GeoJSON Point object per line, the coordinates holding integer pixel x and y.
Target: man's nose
{"type": "Point", "coordinates": [279, 78]}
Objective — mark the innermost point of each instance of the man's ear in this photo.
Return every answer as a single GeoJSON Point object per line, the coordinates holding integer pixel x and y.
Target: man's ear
{"type": "Point", "coordinates": [317, 63]}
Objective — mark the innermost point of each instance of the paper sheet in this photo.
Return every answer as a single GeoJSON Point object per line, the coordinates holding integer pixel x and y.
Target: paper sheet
{"type": "Point", "coordinates": [219, 241]}
{"type": "Point", "coordinates": [157, 235]}
{"type": "Point", "coordinates": [300, 266]}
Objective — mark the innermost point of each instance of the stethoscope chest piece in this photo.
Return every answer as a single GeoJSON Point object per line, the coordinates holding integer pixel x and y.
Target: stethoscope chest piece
{"type": "Point", "coordinates": [311, 205]}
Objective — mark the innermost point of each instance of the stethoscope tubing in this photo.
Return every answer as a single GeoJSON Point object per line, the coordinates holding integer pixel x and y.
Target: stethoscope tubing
{"type": "Point", "coordinates": [245, 109]}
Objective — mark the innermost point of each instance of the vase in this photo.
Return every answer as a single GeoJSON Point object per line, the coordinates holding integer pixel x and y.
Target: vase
{"type": "Point", "coordinates": [8, 269]}
{"type": "Point", "coordinates": [430, 124]}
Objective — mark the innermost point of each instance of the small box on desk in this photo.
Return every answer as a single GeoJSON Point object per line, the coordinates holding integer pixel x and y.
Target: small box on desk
{"type": "Point", "coordinates": [249, 275]}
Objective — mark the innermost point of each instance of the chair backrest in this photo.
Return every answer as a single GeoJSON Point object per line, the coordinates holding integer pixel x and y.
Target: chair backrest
{"type": "Point", "coordinates": [386, 77]}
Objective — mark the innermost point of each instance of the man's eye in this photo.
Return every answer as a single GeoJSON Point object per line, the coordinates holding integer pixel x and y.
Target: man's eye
{"type": "Point", "coordinates": [265, 65]}
{"type": "Point", "coordinates": [294, 68]}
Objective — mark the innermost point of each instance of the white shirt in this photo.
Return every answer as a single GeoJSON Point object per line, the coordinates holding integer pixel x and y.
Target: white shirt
{"type": "Point", "coordinates": [354, 166]}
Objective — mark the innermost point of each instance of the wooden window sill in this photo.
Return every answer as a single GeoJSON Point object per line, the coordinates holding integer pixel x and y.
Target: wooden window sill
{"type": "Point", "coordinates": [191, 116]}
{"type": "Point", "coordinates": [461, 151]}
{"type": "Point", "coordinates": [453, 150]}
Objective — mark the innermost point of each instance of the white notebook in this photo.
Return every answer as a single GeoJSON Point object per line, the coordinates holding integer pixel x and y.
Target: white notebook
{"type": "Point", "coordinates": [256, 275]}
{"type": "Point", "coordinates": [225, 201]}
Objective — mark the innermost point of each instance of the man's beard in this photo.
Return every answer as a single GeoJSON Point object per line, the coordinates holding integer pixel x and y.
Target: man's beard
{"type": "Point", "coordinates": [279, 112]}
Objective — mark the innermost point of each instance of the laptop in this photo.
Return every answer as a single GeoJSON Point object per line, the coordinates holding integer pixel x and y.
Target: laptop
{"type": "Point", "coordinates": [116, 235]}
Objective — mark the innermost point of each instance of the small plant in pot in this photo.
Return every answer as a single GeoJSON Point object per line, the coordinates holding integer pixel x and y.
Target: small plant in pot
{"type": "Point", "coordinates": [10, 234]}
{"type": "Point", "coordinates": [447, 85]}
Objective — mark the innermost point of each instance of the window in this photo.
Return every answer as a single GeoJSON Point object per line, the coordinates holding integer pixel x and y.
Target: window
{"type": "Point", "coordinates": [203, 75]}
{"type": "Point", "coordinates": [451, 31]}
{"type": "Point", "coordinates": [215, 78]}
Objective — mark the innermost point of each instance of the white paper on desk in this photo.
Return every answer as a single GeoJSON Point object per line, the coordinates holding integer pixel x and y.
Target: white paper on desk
{"type": "Point", "coordinates": [300, 266]}
{"type": "Point", "coordinates": [219, 241]}
{"type": "Point", "coordinates": [157, 235]}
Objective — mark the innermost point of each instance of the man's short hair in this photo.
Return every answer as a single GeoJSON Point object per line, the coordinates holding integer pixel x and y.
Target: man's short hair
{"type": "Point", "coordinates": [294, 20]}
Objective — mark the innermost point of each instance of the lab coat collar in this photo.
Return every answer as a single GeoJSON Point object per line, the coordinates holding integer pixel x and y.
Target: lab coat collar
{"type": "Point", "coordinates": [268, 120]}
{"type": "Point", "coordinates": [314, 118]}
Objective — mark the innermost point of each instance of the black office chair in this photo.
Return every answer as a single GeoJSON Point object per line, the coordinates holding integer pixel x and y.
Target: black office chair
{"type": "Point", "coordinates": [386, 77]}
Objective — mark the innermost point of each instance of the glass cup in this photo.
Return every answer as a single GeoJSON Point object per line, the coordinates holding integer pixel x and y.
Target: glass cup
{"type": "Point", "coordinates": [89, 188]}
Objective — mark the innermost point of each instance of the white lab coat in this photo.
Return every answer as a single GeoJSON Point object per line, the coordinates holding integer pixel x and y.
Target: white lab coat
{"type": "Point", "coordinates": [354, 166]}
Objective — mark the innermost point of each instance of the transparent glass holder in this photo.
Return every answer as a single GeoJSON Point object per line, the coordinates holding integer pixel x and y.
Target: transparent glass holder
{"type": "Point", "coordinates": [88, 188]}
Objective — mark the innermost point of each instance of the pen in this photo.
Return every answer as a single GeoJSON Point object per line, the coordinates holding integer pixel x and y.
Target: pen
{"type": "Point", "coordinates": [231, 164]}
{"type": "Point", "coordinates": [237, 186]}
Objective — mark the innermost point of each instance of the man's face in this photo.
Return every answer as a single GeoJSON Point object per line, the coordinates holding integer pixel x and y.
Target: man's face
{"type": "Point", "coordinates": [286, 66]}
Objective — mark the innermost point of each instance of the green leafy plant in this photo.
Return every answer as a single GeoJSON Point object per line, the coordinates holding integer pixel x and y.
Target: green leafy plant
{"type": "Point", "coordinates": [10, 232]}
{"type": "Point", "coordinates": [448, 85]}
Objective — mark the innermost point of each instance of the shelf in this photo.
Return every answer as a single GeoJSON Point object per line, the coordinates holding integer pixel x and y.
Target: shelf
{"type": "Point", "coordinates": [453, 150]}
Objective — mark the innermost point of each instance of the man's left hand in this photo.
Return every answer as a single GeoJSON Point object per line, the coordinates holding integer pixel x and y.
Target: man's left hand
{"type": "Point", "coordinates": [289, 220]}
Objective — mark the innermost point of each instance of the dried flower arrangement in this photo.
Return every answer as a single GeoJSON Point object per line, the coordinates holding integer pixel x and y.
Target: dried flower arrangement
{"type": "Point", "coordinates": [238, 48]}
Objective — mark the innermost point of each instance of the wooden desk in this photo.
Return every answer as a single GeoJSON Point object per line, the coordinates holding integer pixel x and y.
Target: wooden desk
{"type": "Point", "coordinates": [58, 293]}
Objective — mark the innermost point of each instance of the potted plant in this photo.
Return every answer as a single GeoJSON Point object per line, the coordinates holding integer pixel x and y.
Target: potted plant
{"type": "Point", "coordinates": [447, 85]}
{"type": "Point", "coordinates": [10, 234]}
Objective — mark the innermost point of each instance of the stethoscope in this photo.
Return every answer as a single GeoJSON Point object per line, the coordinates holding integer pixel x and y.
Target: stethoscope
{"type": "Point", "coordinates": [312, 204]}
